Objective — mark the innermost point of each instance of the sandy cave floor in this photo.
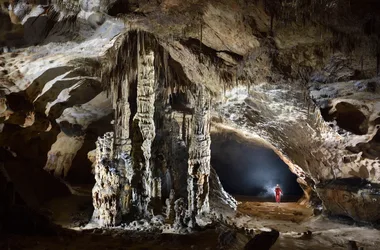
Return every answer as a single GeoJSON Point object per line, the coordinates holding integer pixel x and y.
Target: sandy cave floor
{"type": "Point", "coordinates": [266, 209]}
{"type": "Point", "coordinates": [289, 218]}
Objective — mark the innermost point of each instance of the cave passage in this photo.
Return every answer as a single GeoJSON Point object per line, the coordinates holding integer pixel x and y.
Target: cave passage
{"type": "Point", "coordinates": [249, 169]}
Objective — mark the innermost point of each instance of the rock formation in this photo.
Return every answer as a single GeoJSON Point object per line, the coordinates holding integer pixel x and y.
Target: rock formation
{"type": "Point", "coordinates": [106, 192]}
{"type": "Point", "coordinates": [147, 187]}
{"type": "Point", "coordinates": [353, 198]}
{"type": "Point", "coordinates": [198, 186]}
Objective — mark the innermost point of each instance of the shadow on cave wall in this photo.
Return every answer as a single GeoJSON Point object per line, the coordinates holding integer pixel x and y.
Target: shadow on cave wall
{"type": "Point", "coordinates": [249, 169]}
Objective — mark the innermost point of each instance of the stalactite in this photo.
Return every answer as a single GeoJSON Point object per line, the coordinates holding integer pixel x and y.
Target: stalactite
{"type": "Point", "coordinates": [166, 70]}
{"type": "Point", "coordinates": [199, 158]}
{"type": "Point", "coordinates": [107, 186]}
{"type": "Point", "coordinates": [201, 38]}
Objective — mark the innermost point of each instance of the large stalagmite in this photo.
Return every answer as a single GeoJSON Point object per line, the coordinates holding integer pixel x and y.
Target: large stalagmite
{"type": "Point", "coordinates": [107, 187]}
{"type": "Point", "coordinates": [199, 158]}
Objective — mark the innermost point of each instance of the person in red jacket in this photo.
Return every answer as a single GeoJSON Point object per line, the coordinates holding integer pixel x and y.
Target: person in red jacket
{"type": "Point", "coordinates": [278, 192]}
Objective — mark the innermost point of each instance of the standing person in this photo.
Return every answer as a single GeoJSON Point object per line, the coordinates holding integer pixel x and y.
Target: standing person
{"type": "Point", "coordinates": [278, 192]}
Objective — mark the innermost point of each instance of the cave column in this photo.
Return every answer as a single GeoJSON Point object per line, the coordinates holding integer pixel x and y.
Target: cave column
{"type": "Point", "coordinates": [122, 143]}
{"type": "Point", "coordinates": [147, 186]}
{"type": "Point", "coordinates": [199, 158]}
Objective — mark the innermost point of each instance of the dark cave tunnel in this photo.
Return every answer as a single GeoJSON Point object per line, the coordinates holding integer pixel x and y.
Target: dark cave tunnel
{"type": "Point", "coordinates": [249, 169]}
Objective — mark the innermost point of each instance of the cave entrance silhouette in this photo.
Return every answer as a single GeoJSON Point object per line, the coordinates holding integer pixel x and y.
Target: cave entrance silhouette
{"type": "Point", "coordinates": [248, 170]}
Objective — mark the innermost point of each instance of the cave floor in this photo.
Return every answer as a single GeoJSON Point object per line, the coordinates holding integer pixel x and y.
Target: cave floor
{"type": "Point", "coordinates": [285, 211]}
{"type": "Point", "coordinates": [289, 218]}
{"type": "Point", "coordinates": [325, 235]}
{"type": "Point", "coordinates": [293, 220]}
{"type": "Point", "coordinates": [110, 239]}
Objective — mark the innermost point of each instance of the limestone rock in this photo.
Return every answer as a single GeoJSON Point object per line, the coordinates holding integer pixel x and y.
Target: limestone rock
{"type": "Point", "coordinates": [62, 153]}
{"type": "Point", "coordinates": [354, 198]}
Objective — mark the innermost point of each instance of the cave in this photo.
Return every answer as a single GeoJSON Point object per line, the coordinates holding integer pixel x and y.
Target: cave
{"type": "Point", "coordinates": [165, 124]}
{"type": "Point", "coordinates": [248, 170]}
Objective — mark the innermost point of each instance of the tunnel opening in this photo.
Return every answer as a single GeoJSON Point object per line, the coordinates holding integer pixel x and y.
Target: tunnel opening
{"type": "Point", "coordinates": [249, 170]}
